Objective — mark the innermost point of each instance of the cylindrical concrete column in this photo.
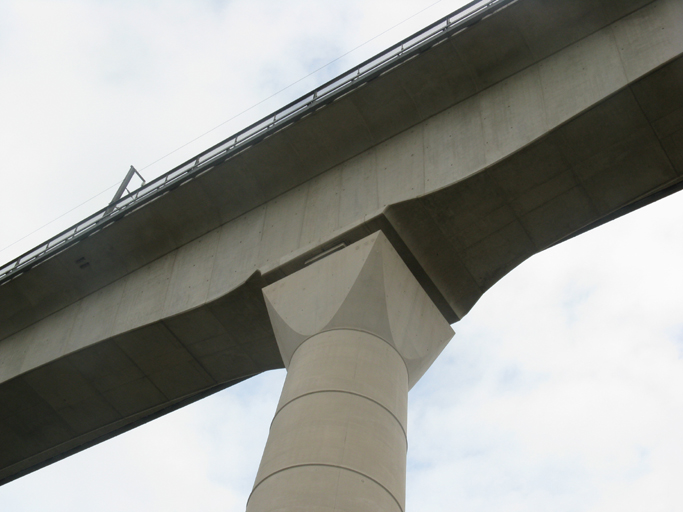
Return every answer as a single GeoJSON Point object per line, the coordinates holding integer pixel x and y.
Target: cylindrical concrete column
{"type": "Point", "coordinates": [338, 439]}
{"type": "Point", "coordinates": [355, 331]}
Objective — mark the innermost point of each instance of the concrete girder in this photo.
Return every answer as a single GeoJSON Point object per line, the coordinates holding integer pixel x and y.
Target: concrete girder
{"type": "Point", "coordinates": [468, 66]}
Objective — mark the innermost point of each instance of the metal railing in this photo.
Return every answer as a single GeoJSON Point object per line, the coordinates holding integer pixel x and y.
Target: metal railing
{"type": "Point", "coordinates": [381, 63]}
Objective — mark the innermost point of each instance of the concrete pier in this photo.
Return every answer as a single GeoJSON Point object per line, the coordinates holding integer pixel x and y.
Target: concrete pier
{"type": "Point", "coordinates": [356, 331]}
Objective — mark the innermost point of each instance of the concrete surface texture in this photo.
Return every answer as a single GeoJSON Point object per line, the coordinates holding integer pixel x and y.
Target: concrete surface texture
{"type": "Point", "coordinates": [471, 157]}
{"type": "Point", "coordinates": [356, 331]}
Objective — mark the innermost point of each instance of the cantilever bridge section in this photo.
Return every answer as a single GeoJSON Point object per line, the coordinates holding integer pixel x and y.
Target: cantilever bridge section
{"type": "Point", "coordinates": [484, 139]}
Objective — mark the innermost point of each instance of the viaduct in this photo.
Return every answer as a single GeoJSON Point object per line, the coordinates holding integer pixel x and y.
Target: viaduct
{"type": "Point", "coordinates": [340, 237]}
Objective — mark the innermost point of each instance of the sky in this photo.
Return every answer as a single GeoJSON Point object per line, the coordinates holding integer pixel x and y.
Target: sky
{"type": "Point", "coordinates": [562, 389]}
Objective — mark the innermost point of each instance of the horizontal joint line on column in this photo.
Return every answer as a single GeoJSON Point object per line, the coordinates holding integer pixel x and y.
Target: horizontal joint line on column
{"type": "Point", "coordinates": [348, 393]}
{"type": "Point", "coordinates": [374, 335]}
{"type": "Point", "coordinates": [314, 464]}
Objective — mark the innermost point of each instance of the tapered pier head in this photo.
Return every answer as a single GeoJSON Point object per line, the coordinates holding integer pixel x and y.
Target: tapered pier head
{"type": "Point", "coordinates": [356, 331]}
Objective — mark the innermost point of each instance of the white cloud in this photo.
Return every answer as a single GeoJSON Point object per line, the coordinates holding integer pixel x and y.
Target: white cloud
{"type": "Point", "coordinates": [89, 88]}
{"type": "Point", "coordinates": [564, 384]}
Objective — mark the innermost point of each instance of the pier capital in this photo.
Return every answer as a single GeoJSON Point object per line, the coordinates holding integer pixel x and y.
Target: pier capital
{"type": "Point", "coordinates": [365, 287]}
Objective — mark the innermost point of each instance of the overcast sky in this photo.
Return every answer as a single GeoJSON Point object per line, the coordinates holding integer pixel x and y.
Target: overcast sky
{"type": "Point", "coordinates": [562, 389]}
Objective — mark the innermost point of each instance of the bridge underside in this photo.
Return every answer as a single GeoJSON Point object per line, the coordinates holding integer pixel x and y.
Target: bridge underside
{"type": "Point", "coordinates": [613, 157]}
{"type": "Point", "coordinates": [618, 156]}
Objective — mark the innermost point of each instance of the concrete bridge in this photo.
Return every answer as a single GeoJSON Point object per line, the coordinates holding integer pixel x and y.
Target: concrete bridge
{"type": "Point", "coordinates": [525, 125]}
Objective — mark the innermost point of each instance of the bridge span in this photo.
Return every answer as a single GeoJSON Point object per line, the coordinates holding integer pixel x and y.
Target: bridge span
{"type": "Point", "coordinates": [488, 138]}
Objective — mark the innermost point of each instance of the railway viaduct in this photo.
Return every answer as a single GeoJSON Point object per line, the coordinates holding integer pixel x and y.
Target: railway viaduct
{"type": "Point", "coordinates": [380, 206]}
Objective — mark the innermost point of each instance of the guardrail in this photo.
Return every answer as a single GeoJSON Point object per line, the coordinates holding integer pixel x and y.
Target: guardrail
{"type": "Point", "coordinates": [381, 63]}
